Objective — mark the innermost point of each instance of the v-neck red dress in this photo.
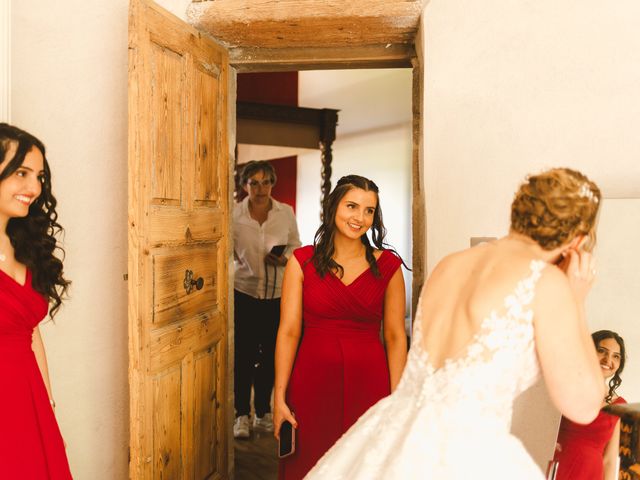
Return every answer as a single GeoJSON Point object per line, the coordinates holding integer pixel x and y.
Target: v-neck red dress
{"type": "Point", "coordinates": [341, 367]}
{"type": "Point", "coordinates": [31, 446]}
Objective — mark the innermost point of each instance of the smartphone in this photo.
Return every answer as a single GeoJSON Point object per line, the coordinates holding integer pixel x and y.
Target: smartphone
{"type": "Point", "coordinates": [278, 250]}
{"type": "Point", "coordinates": [287, 443]}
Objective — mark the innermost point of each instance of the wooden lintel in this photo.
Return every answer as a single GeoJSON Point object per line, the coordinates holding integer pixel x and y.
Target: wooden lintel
{"type": "Point", "coordinates": [321, 58]}
{"type": "Point", "coordinates": [307, 23]}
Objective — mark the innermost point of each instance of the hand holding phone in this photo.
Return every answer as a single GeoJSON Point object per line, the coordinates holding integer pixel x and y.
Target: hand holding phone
{"type": "Point", "coordinates": [278, 250]}
{"type": "Point", "coordinates": [286, 440]}
{"type": "Point", "coordinates": [274, 257]}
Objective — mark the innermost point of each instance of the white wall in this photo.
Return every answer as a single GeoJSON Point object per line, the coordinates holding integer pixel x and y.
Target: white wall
{"type": "Point", "coordinates": [70, 89]}
{"type": "Point", "coordinates": [517, 87]}
{"type": "Point", "coordinates": [5, 60]}
{"type": "Point", "coordinates": [373, 140]}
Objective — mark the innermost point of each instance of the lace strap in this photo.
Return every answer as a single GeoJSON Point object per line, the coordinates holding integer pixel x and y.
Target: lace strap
{"type": "Point", "coordinates": [525, 290]}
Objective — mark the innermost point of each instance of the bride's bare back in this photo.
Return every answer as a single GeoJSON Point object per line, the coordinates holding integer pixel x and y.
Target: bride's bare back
{"type": "Point", "coordinates": [464, 289]}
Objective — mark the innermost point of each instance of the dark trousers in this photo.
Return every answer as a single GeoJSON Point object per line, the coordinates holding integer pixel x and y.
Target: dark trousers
{"type": "Point", "coordinates": [256, 327]}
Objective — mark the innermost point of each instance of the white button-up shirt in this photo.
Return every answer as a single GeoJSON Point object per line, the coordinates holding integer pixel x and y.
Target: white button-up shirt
{"type": "Point", "coordinates": [252, 242]}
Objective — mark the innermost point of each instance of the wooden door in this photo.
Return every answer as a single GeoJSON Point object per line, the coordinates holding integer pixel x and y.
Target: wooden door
{"type": "Point", "coordinates": [178, 248]}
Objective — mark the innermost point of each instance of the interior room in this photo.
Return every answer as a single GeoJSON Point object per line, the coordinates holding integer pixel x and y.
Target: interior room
{"type": "Point", "coordinates": [505, 90]}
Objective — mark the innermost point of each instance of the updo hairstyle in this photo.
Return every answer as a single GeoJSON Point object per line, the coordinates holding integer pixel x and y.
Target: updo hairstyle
{"type": "Point", "coordinates": [555, 206]}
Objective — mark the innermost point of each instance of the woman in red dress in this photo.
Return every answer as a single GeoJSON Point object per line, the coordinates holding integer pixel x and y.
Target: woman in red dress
{"type": "Point", "coordinates": [590, 452]}
{"type": "Point", "coordinates": [31, 279]}
{"type": "Point", "coordinates": [335, 297]}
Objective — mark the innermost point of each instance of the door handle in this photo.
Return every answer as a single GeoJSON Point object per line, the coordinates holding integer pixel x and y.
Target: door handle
{"type": "Point", "coordinates": [189, 282]}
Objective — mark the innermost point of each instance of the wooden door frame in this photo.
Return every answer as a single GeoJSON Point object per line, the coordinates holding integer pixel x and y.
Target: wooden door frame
{"type": "Point", "coordinates": [264, 60]}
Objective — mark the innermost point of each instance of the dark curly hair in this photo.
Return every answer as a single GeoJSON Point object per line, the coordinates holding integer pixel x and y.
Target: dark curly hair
{"type": "Point", "coordinates": [615, 380]}
{"type": "Point", "coordinates": [555, 206]}
{"type": "Point", "coordinates": [324, 238]}
{"type": "Point", "coordinates": [34, 237]}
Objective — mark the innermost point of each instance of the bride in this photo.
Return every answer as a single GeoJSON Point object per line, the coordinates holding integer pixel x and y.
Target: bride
{"type": "Point", "coordinates": [490, 319]}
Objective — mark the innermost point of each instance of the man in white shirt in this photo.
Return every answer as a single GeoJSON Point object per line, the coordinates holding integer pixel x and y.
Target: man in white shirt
{"type": "Point", "coordinates": [265, 234]}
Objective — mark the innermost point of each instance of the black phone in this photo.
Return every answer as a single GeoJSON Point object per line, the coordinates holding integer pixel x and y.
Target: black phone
{"type": "Point", "coordinates": [278, 250]}
{"type": "Point", "coordinates": [287, 442]}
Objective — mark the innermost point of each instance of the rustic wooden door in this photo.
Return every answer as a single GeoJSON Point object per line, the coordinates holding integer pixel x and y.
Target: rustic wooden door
{"type": "Point", "coordinates": [178, 248]}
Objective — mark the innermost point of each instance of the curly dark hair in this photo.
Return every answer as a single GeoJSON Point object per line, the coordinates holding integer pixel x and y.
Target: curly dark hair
{"type": "Point", "coordinates": [324, 237]}
{"type": "Point", "coordinates": [615, 380]}
{"type": "Point", "coordinates": [34, 237]}
{"type": "Point", "coordinates": [555, 206]}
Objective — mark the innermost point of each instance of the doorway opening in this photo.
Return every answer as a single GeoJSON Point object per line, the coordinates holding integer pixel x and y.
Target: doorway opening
{"type": "Point", "coordinates": [373, 139]}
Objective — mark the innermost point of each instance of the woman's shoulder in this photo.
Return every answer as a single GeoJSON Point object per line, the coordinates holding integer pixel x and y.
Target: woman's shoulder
{"type": "Point", "coordinates": [303, 253]}
{"type": "Point", "coordinates": [388, 256]}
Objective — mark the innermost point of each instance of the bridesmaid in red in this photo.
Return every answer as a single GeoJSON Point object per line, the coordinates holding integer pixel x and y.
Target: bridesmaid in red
{"type": "Point", "coordinates": [31, 279]}
{"type": "Point", "coordinates": [330, 363]}
{"type": "Point", "coordinates": [590, 452]}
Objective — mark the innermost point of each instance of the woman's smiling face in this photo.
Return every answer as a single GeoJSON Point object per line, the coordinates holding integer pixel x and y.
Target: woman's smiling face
{"type": "Point", "coordinates": [355, 212]}
{"type": "Point", "coordinates": [609, 356]}
{"type": "Point", "coordinates": [20, 189]}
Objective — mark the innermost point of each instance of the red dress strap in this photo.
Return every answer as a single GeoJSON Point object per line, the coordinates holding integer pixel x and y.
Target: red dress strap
{"type": "Point", "coordinates": [388, 263]}
{"type": "Point", "coordinates": [303, 254]}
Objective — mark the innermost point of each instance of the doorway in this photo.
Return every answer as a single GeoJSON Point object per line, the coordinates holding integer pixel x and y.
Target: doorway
{"type": "Point", "coordinates": [373, 139]}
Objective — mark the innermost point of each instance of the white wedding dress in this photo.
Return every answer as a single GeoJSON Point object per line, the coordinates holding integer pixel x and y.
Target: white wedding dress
{"type": "Point", "coordinates": [450, 423]}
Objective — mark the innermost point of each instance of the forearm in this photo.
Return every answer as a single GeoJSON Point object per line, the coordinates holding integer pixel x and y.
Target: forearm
{"type": "Point", "coordinates": [610, 469]}
{"type": "Point", "coordinates": [286, 347]}
{"type": "Point", "coordinates": [396, 347]}
{"type": "Point", "coordinates": [611, 454]}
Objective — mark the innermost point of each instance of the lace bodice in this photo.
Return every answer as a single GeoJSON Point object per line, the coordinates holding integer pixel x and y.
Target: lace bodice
{"type": "Point", "coordinates": [493, 369]}
{"type": "Point", "coordinates": [450, 422]}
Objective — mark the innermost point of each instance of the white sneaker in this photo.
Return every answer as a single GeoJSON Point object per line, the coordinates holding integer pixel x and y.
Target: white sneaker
{"type": "Point", "coordinates": [241, 427]}
{"type": "Point", "coordinates": [264, 423]}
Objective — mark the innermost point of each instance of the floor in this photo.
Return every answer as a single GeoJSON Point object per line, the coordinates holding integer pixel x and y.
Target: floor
{"type": "Point", "coordinates": [256, 457]}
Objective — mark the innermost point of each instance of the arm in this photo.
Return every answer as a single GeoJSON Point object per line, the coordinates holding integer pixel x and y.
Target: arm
{"type": "Point", "coordinates": [395, 337]}
{"type": "Point", "coordinates": [565, 348]}
{"type": "Point", "coordinates": [611, 454]}
{"type": "Point", "coordinates": [41, 358]}
{"type": "Point", "coordinates": [287, 341]}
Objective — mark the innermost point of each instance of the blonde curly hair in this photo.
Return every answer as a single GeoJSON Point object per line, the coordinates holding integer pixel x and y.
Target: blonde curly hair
{"type": "Point", "coordinates": [555, 206]}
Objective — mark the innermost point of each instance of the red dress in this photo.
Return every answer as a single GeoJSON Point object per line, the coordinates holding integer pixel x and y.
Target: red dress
{"type": "Point", "coordinates": [341, 367]}
{"type": "Point", "coordinates": [583, 447]}
{"type": "Point", "coordinates": [31, 447]}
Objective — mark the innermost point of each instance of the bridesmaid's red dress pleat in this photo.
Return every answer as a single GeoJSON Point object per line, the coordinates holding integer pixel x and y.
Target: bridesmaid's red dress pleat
{"type": "Point", "coordinates": [31, 447]}
{"type": "Point", "coordinates": [583, 446]}
{"type": "Point", "coordinates": [341, 367]}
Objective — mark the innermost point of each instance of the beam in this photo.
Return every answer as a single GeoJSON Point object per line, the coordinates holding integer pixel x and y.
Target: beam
{"type": "Point", "coordinates": [330, 58]}
{"type": "Point", "coordinates": [308, 23]}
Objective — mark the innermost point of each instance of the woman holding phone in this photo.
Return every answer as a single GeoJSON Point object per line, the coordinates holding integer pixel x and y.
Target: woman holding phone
{"type": "Point", "coordinates": [264, 233]}
{"type": "Point", "coordinates": [343, 288]}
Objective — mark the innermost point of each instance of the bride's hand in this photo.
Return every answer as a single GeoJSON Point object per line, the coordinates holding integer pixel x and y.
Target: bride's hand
{"type": "Point", "coordinates": [579, 267]}
{"type": "Point", "coordinates": [280, 414]}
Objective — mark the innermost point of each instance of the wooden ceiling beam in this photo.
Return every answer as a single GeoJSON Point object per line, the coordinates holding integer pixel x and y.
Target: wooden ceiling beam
{"type": "Point", "coordinates": [277, 24]}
